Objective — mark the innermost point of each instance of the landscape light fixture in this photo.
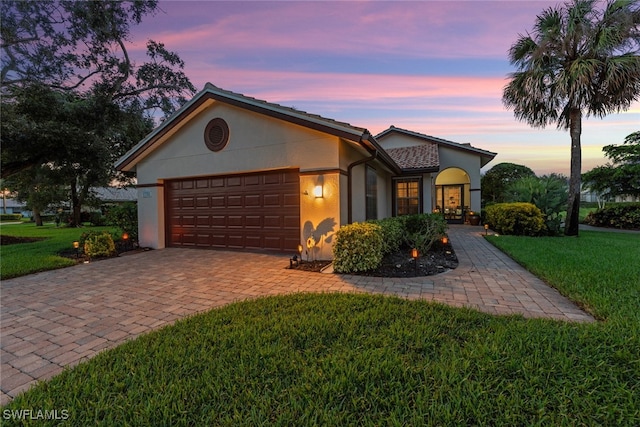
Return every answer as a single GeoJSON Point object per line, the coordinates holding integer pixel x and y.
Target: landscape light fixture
{"type": "Point", "coordinates": [76, 246]}
{"type": "Point", "coordinates": [125, 238]}
{"type": "Point", "coordinates": [414, 255]}
{"type": "Point", "coordinates": [486, 229]}
{"type": "Point", "coordinates": [445, 240]}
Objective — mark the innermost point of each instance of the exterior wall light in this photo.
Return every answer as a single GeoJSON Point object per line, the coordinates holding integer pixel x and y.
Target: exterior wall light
{"type": "Point", "coordinates": [317, 191]}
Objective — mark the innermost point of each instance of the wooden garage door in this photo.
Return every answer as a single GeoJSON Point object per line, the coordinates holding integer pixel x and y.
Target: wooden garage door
{"type": "Point", "coordinates": [249, 211]}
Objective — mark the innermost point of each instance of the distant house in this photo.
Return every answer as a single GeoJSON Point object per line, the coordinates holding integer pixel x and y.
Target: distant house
{"type": "Point", "coordinates": [231, 171]}
{"type": "Point", "coordinates": [12, 206]}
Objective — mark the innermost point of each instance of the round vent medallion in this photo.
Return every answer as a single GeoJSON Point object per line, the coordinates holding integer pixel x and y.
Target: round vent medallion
{"type": "Point", "coordinates": [216, 134]}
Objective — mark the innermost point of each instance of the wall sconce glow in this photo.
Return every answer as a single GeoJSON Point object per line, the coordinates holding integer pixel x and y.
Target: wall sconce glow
{"type": "Point", "coordinates": [317, 191]}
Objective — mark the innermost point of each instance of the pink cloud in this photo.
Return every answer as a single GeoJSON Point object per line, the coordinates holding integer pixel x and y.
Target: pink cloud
{"type": "Point", "coordinates": [413, 29]}
{"type": "Point", "coordinates": [279, 86]}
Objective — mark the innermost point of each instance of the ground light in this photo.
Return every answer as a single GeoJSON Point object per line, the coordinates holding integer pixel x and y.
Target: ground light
{"type": "Point", "coordinates": [414, 255]}
{"type": "Point", "coordinates": [76, 246]}
{"type": "Point", "coordinates": [125, 238]}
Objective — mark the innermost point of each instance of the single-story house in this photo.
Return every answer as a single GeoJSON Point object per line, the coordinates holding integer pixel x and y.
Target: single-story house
{"type": "Point", "coordinates": [230, 171]}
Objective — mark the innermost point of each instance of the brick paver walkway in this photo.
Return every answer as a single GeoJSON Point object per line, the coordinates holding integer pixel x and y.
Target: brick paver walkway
{"type": "Point", "coordinates": [58, 318]}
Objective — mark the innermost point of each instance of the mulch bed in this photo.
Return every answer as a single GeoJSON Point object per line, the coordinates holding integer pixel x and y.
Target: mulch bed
{"type": "Point", "coordinates": [439, 259]}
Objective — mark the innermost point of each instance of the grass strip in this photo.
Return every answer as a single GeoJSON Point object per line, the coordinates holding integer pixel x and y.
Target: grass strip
{"type": "Point", "coordinates": [599, 270]}
{"type": "Point", "coordinates": [26, 258]}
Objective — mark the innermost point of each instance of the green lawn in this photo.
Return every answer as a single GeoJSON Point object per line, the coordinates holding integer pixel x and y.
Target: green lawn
{"type": "Point", "coordinates": [600, 270]}
{"type": "Point", "coordinates": [26, 258]}
{"type": "Point", "coordinates": [336, 359]}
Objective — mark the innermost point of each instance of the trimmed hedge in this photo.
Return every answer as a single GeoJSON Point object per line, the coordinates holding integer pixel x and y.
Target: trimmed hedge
{"type": "Point", "coordinates": [519, 219]}
{"type": "Point", "coordinates": [358, 247]}
{"type": "Point", "coordinates": [10, 217]}
{"type": "Point", "coordinates": [618, 215]}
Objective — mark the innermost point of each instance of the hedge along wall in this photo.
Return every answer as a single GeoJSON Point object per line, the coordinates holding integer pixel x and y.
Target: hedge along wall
{"type": "Point", "coordinates": [520, 219]}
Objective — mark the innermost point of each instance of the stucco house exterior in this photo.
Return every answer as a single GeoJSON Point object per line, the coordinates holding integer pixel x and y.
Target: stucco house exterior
{"type": "Point", "coordinates": [230, 171]}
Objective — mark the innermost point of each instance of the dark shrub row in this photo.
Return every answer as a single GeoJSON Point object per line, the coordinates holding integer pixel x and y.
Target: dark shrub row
{"type": "Point", "coordinates": [10, 217]}
{"type": "Point", "coordinates": [618, 215]}
{"type": "Point", "coordinates": [361, 246]}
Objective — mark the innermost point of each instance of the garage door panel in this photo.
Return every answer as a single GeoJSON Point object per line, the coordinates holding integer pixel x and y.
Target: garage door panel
{"type": "Point", "coordinates": [218, 221]}
{"type": "Point", "coordinates": [290, 222]}
{"type": "Point", "coordinates": [234, 221]}
{"type": "Point", "coordinates": [273, 221]}
{"type": "Point", "coordinates": [234, 181]}
{"type": "Point", "coordinates": [217, 202]}
{"type": "Point", "coordinates": [260, 210]}
{"type": "Point", "coordinates": [253, 200]}
{"type": "Point", "coordinates": [272, 179]}
{"type": "Point", "coordinates": [272, 200]}
{"type": "Point", "coordinates": [250, 180]}
{"type": "Point", "coordinates": [253, 221]}
{"type": "Point", "coordinates": [216, 183]}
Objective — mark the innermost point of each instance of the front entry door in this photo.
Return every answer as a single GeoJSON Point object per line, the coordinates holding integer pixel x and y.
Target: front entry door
{"type": "Point", "coordinates": [451, 198]}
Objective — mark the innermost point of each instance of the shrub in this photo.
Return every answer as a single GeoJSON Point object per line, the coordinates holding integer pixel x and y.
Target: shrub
{"type": "Point", "coordinates": [125, 217]}
{"type": "Point", "coordinates": [549, 193]}
{"type": "Point", "coordinates": [520, 219]}
{"type": "Point", "coordinates": [392, 233]}
{"type": "Point", "coordinates": [618, 215]}
{"type": "Point", "coordinates": [97, 219]}
{"type": "Point", "coordinates": [358, 247]}
{"type": "Point", "coordinates": [98, 244]}
{"type": "Point", "coordinates": [10, 217]}
{"type": "Point", "coordinates": [422, 230]}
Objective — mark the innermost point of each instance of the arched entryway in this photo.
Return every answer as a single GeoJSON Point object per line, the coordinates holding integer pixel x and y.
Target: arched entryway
{"type": "Point", "coordinates": [452, 195]}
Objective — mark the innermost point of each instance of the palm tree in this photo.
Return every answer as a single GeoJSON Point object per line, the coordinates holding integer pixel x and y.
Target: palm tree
{"type": "Point", "coordinates": [578, 60]}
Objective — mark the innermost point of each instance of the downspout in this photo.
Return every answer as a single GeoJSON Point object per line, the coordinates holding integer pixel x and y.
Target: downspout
{"type": "Point", "coordinates": [349, 184]}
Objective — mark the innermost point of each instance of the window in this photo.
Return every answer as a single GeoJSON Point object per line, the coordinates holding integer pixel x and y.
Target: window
{"type": "Point", "coordinates": [407, 196]}
{"type": "Point", "coordinates": [371, 193]}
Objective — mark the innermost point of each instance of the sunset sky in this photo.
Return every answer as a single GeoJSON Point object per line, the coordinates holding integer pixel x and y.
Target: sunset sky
{"type": "Point", "coordinates": [435, 67]}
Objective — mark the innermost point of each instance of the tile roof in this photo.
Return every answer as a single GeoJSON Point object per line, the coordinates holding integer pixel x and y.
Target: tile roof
{"type": "Point", "coordinates": [461, 146]}
{"type": "Point", "coordinates": [418, 157]}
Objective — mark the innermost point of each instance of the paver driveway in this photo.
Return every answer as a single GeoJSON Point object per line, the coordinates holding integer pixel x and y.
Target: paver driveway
{"type": "Point", "coordinates": [55, 319]}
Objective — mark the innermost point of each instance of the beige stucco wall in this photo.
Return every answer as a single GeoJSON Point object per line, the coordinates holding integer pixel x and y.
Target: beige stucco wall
{"type": "Point", "coordinates": [449, 158]}
{"type": "Point", "coordinates": [320, 217]}
{"type": "Point", "coordinates": [256, 142]}
{"type": "Point", "coordinates": [469, 163]}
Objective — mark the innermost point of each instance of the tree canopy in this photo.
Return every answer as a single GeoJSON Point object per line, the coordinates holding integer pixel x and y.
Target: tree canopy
{"type": "Point", "coordinates": [497, 179]}
{"type": "Point", "coordinates": [578, 60]}
{"type": "Point", "coordinates": [80, 48]}
{"type": "Point", "coordinates": [73, 100]}
{"type": "Point", "coordinates": [620, 177]}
